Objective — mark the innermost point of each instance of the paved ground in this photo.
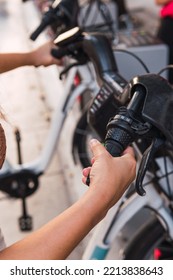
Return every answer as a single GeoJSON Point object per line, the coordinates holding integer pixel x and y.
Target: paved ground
{"type": "Point", "coordinates": [29, 97]}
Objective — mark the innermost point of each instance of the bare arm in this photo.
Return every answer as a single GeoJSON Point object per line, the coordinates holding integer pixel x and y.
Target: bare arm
{"type": "Point", "coordinates": [37, 57]}
{"type": "Point", "coordinates": [110, 177]}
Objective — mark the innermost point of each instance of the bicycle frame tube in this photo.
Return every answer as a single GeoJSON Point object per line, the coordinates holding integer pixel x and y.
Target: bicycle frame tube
{"type": "Point", "coordinates": [39, 165]}
{"type": "Point", "coordinates": [107, 231]}
{"type": "Point", "coordinates": [65, 105]}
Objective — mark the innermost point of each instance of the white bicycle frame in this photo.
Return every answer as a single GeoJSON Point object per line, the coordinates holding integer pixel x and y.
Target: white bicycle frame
{"type": "Point", "coordinates": [107, 231]}
{"type": "Point", "coordinates": [39, 165]}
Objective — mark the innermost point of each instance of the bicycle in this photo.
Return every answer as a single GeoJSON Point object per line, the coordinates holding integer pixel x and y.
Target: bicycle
{"type": "Point", "coordinates": [21, 180]}
{"type": "Point", "coordinates": [130, 126]}
{"type": "Point", "coordinates": [115, 90]}
{"type": "Point", "coordinates": [154, 237]}
{"type": "Point", "coordinates": [57, 14]}
{"type": "Point", "coordinates": [113, 84]}
{"type": "Point", "coordinates": [59, 17]}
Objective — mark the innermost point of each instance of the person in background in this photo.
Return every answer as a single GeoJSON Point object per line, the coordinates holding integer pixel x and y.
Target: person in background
{"type": "Point", "coordinates": [165, 30]}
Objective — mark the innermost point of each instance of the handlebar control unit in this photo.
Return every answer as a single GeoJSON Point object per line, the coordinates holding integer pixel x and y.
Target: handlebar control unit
{"type": "Point", "coordinates": [148, 115]}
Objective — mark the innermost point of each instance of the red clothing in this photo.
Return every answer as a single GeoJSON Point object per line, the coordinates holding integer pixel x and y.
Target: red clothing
{"type": "Point", "coordinates": [167, 10]}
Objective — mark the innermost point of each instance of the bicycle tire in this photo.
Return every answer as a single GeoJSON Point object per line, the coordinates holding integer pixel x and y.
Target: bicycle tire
{"type": "Point", "coordinates": [141, 246]}
{"type": "Point", "coordinates": [80, 147]}
{"type": "Point", "coordinates": [83, 133]}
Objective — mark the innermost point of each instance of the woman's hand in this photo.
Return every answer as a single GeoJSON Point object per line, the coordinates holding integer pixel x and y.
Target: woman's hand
{"type": "Point", "coordinates": [42, 56]}
{"type": "Point", "coordinates": [110, 176]}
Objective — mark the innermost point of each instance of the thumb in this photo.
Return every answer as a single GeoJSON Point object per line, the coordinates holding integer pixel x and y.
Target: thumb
{"type": "Point", "coordinates": [96, 147]}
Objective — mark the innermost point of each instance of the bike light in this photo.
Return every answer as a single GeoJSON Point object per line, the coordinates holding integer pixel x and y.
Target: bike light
{"type": "Point", "coordinates": [157, 254]}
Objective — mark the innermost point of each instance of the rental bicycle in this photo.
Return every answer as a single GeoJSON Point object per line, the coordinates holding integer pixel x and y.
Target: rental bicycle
{"type": "Point", "coordinates": [142, 118]}
{"type": "Point", "coordinates": [133, 121]}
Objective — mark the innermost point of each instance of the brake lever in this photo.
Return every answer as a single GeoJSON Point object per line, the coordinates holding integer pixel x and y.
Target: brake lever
{"type": "Point", "coordinates": [80, 57]}
{"type": "Point", "coordinates": [146, 159]}
{"type": "Point", "coordinates": [66, 69]}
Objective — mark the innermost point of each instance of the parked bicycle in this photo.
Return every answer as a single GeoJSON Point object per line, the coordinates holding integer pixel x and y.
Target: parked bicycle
{"type": "Point", "coordinates": [21, 180]}
{"type": "Point", "coordinates": [59, 17]}
{"type": "Point", "coordinates": [150, 131]}
{"type": "Point", "coordinates": [147, 93]}
{"type": "Point", "coordinates": [136, 122]}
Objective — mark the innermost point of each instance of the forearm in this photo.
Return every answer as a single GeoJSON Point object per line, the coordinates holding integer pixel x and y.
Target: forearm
{"type": "Point", "coordinates": [10, 61]}
{"type": "Point", "coordinates": [59, 237]}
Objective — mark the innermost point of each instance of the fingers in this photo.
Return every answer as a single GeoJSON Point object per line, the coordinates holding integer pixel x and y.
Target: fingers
{"type": "Point", "coordinates": [85, 173]}
{"type": "Point", "coordinates": [129, 150]}
{"type": "Point", "coordinates": [96, 147]}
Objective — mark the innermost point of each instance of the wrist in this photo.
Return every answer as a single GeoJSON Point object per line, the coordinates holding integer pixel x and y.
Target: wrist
{"type": "Point", "coordinates": [97, 203]}
{"type": "Point", "coordinates": [31, 59]}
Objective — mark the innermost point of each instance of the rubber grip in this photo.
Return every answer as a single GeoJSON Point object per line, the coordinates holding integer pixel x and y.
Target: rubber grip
{"type": "Point", "coordinates": [38, 31]}
{"type": "Point", "coordinates": [114, 148]}
{"type": "Point", "coordinates": [59, 53]}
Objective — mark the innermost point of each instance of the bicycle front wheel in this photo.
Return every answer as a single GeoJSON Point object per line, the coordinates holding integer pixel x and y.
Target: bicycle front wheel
{"type": "Point", "coordinates": [82, 135]}
{"type": "Point", "coordinates": [147, 241]}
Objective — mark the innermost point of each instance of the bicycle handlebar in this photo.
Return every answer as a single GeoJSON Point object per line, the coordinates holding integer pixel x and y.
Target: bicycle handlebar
{"type": "Point", "coordinates": [45, 22]}
{"type": "Point", "coordinates": [142, 107]}
{"type": "Point", "coordinates": [147, 116]}
{"type": "Point", "coordinates": [95, 47]}
{"type": "Point", "coordinates": [62, 13]}
{"type": "Point", "coordinates": [145, 104]}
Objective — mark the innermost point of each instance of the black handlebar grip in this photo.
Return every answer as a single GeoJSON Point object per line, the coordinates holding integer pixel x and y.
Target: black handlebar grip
{"type": "Point", "coordinates": [38, 31]}
{"type": "Point", "coordinates": [118, 139]}
{"type": "Point", "coordinates": [114, 148]}
{"type": "Point", "coordinates": [95, 46]}
{"type": "Point", "coordinates": [59, 53]}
